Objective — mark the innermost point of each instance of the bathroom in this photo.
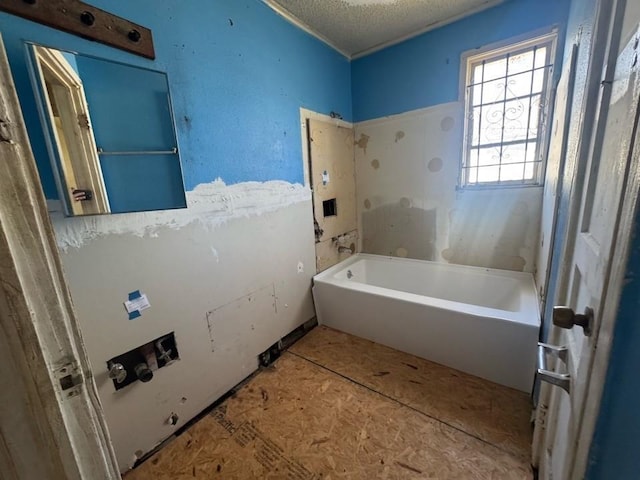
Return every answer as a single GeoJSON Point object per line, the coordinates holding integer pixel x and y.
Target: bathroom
{"type": "Point", "coordinates": [219, 279]}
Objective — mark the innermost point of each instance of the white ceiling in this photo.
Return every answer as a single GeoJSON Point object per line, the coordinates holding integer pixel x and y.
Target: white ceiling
{"type": "Point", "coordinates": [359, 27]}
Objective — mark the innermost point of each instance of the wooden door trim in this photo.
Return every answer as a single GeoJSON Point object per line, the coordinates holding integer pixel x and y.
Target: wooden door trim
{"type": "Point", "coordinates": [86, 168]}
{"type": "Point", "coordinates": [62, 436]}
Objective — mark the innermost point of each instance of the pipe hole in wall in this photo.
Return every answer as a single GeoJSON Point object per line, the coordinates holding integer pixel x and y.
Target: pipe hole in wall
{"type": "Point", "coordinates": [329, 208]}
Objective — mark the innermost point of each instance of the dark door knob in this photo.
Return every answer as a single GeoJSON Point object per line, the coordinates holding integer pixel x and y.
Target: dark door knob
{"type": "Point", "coordinates": [565, 317]}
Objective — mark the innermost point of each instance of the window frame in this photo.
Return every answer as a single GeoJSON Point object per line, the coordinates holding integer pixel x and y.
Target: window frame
{"type": "Point", "coordinates": [495, 51]}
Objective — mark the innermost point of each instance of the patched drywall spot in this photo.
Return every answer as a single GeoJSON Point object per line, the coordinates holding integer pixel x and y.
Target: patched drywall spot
{"type": "Point", "coordinates": [215, 254]}
{"type": "Point", "coordinates": [240, 314]}
{"type": "Point", "coordinates": [512, 239]}
{"type": "Point", "coordinates": [414, 229]}
{"type": "Point", "coordinates": [367, 203]}
{"type": "Point", "coordinates": [447, 124]}
{"type": "Point", "coordinates": [363, 141]}
{"type": "Point", "coordinates": [435, 165]}
{"type": "Point", "coordinates": [479, 237]}
{"type": "Point", "coordinates": [509, 262]}
{"type": "Point", "coordinates": [375, 163]}
{"type": "Point", "coordinates": [405, 202]}
{"type": "Point", "coordinates": [402, 252]}
{"type": "Point", "coordinates": [399, 135]}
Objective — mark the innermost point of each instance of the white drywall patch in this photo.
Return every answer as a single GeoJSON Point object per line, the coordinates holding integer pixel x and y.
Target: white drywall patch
{"type": "Point", "coordinates": [211, 204]}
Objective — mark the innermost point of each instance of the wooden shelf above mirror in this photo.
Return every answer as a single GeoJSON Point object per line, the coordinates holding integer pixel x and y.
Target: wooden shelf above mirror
{"type": "Point", "coordinates": [86, 21]}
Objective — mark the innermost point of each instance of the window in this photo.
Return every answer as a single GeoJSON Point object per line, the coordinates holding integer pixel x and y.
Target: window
{"type": "Point", "coordinates": [507, 97]}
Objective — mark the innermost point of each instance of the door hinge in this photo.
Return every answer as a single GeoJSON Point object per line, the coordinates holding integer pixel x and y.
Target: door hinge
{"type": "Point", "coordinates": [5, 131]}
{"type": "Point", "coordinates": [83, 121]}
{"type": "Point", "coordinates": [69, 379]}
{"type": "Point", "coordinates": [540, 418]}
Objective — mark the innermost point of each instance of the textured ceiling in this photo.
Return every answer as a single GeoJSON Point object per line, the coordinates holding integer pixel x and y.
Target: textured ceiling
{"type": "Point", "coordinates": [357, 27]}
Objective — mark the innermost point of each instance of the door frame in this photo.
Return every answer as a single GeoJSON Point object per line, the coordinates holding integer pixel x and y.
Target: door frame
{"type": "Point", "coordinates": [84, 164]}
{"type": "Point", "coordinates": [51, 421]}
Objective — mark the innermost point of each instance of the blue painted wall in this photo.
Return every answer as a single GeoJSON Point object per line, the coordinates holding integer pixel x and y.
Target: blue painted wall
{"type": "Point", "coordinates": [614, 452]}
{"type": "Point", "coordinates": [238, 74]}
{"type": "Point", "coordinates": [424, 71]}
{"type": "Point", "coordinates": [71, 58]}
{"type": "Point", "coordinates": [143, 122]}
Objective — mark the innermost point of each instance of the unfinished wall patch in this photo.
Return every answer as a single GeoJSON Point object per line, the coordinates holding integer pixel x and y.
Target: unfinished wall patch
{"type": "Point", "coordinates": [243, 324]}
{"type": "Point", "coordinates": [435, 165]}
{"type": "Point", "coordinates": [447, 124]}
{"type": "Point", "coordinates": [362, 142]}
{"type": "Point", "coordinates": [501, 243]}
{"type": "Point", "coordinates": [210, 204]}
{"type": "Point", "coordinates": [396, 229]}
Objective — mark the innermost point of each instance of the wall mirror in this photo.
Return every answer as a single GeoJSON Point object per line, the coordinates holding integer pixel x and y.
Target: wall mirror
{"type": "Point", "coordinates": [110, 133]}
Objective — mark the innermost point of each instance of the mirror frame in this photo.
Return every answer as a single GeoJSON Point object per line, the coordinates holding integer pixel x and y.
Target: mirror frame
{"type": "Point", "coordinates": [32, 51]}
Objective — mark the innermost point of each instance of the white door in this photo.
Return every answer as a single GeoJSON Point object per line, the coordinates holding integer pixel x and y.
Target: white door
{"type": "Point", "coordinates": [51, 422]}
{"type": "Point", "coordinates": [566, 413]}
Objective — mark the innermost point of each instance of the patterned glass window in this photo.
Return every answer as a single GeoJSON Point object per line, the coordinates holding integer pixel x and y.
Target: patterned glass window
{"type": "Point", "coordinates": [507, 96]}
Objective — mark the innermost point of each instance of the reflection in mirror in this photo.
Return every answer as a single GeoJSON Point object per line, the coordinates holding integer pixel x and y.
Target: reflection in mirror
{"type": "Point", "coordinates": [110, 133]}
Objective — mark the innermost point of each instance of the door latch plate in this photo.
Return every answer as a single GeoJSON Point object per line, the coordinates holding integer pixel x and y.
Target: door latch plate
{"type": "Point", "coordinates": [69, 379]}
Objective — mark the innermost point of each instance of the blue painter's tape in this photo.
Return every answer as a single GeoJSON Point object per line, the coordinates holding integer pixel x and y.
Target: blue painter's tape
{"type": "Point", "coordinates": [134, 295]}
{"type": "Point", "coordinates": [134, 314]}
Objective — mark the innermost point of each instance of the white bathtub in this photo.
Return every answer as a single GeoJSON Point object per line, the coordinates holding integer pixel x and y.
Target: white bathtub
{"type": "Point", "coordinates": [481, 321]}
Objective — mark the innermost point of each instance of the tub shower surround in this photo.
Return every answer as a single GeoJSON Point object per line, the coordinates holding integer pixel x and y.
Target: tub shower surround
{"type": "Point", "coordinates": [477, 320]}
{"type": "Point", "coordinates": [410, 205]}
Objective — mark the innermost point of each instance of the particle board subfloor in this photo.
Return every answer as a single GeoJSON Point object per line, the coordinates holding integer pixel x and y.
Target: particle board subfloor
{"type": "Point", "coordinates": [496, 414]}
{"type": "Point", "coordinates": [328, 409]}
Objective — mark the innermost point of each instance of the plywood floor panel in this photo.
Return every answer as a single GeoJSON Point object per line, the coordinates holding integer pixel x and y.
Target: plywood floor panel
{"type": "Point", "coordinates": [496, 414]}
{"type": "Point", "coordinates": [296, 420]}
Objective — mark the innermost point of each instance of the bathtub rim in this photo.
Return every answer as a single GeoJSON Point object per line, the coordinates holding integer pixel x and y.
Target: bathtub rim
{"type": "Point", "coordinates": [529, 313]}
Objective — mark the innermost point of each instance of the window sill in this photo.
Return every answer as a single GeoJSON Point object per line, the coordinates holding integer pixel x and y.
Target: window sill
{"type": "Point", "coordinates": [493, 186]}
